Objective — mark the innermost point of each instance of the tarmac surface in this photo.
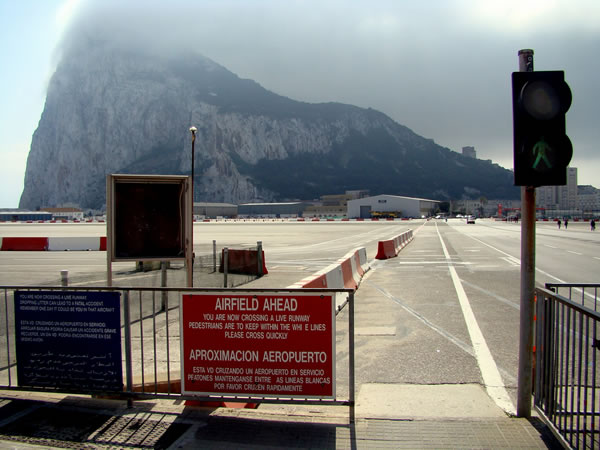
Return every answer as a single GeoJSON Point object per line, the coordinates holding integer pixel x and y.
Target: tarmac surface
{"type": "Point", "coordinates": [388, 415]}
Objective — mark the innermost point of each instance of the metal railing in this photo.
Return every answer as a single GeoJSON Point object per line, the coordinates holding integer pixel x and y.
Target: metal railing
{"type": "Point", "coordinates": [567, 370]}
{"type": "Point", "coordinates": [150, 341]}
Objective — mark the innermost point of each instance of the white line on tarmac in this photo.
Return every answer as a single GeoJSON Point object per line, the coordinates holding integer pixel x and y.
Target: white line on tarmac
{"type": "Point", "coordinates": [489, 370]}
{"type": "Point", "coordinates": [459, 343]}
{"type": "Point", "coordinates": [575, 253]}
{"type": "Point", "coordinates": [410, 263]}
{"type": "Point", "coordinates": [558, 280]}
{"type": "Point", "coordinates": [512, 261]}
{"type": "Point", "coordinates": [374, 265]}
{"type": "Point", "coordinates": [491, 294]}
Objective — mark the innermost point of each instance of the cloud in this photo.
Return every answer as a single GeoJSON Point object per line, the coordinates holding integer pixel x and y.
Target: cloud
{"type": "Point", "coordinates": [519, 16]}
{"type": "Point", "coordinates": [441, 68]}
{"type": "Point", "coordinates": [66, 12]}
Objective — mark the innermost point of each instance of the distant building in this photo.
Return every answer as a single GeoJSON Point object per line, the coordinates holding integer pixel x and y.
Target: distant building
{"type": "Point", "coordinates": [569, 192]}
{"type": "Point", "coordinates": [401, 206]}
{"type": "Point", "coordinates": [214, 210]}
{"type": "Point", "coordinates": [486, 207]}
{"type": "Point", "coordinates": [588, 200]}
{"type": "Point", "coordinates": [469, 152]}
{"type": "Point", "coordinates": [286, 209]}
{"type": "Point", "coordinates": [67, 213]}
{"type": "Point", "coordinates": [471, 207]}
{"type": "Point", "coordinates": [335, 205]}
{"type": "Point", "coordinates": [559, 198]}
{"type": "Point", "coordinates": [19, 215]}
{"type": "Point", "coordinates": [358, 193]}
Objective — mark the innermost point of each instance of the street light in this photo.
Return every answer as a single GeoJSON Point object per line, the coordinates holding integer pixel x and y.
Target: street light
{"type": "Point", "coordinates": [193, 131]}
{"type": "Point", "coordinates": [190, 258]}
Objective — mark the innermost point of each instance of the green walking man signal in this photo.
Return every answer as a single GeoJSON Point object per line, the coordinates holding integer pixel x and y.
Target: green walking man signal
{"type": "Point", "coordinates": [542, 149]}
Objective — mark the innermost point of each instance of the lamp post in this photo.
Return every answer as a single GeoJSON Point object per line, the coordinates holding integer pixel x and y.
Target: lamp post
{"type": "Point", "coordinates": [190, 252]}
{"type": "Point", "coordinates": [193, 131]}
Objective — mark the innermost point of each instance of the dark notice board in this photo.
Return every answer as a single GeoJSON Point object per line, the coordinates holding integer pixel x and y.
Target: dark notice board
{"type": "Point", "coordinates": [69, 340]}
{"type": "Point", "coordinates": [149, 220]}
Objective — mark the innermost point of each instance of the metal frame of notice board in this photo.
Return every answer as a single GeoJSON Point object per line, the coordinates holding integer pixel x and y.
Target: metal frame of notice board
{"type": "Point", "coordinates": [149, 218]}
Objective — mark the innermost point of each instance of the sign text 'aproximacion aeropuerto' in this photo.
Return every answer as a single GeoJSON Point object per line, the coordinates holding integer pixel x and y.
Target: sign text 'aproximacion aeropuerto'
{"type": "Point", "coordinates": [269, 345]}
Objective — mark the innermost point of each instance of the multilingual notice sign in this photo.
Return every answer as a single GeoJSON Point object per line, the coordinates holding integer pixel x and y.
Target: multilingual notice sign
{"type": "Point", "coordinates": [69, 340]}
{"type": "Point", "coordinates": [258, 345]}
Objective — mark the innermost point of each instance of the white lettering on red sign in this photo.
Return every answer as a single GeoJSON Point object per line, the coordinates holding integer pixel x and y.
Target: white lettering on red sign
{"type": "Point", "coordinates": [252, 304]}
{"type": "Point", "coordinates": [258, 345]}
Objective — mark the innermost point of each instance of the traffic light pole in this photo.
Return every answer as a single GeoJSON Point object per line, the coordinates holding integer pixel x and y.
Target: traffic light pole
{"type": "Point", "coordinates": [525, 375]}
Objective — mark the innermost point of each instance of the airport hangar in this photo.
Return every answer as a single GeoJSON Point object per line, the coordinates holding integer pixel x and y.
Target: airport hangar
{"type": "Point", "coordinates": [403, 206]}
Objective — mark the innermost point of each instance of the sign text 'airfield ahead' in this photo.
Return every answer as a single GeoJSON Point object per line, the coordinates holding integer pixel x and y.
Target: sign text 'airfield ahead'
{"type": "Point", "coordinates": [278, 345]}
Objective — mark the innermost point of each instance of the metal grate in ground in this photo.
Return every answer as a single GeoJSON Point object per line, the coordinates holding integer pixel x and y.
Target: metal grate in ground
{"type": "Point", "coordinates": [79, 428]}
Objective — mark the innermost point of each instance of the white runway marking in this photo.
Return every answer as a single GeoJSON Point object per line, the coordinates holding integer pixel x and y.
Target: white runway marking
{"type": "Point", "coordinates": [489, 370]}
{"type": "Point", "coordinates": [512, 261]}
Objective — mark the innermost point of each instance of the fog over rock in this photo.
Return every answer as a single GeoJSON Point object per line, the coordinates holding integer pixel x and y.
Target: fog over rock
{"type": "Point", "coordinates": [112, 109]}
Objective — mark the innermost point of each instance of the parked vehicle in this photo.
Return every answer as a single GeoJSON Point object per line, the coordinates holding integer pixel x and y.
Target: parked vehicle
{"type": "Point", "coordinates": [386, 214]}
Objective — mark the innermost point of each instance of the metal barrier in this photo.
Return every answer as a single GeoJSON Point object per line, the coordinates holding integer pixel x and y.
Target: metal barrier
{"type": "Point", "coordinates": [585, 294]}
{"type": "Point", "coordinates": [150, 342]}
{"type": "Point", "coordinates": [567, 370]}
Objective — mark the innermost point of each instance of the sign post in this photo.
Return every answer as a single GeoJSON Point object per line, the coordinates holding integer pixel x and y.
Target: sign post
{"type": "Point", "coordinates": [542, 152]}
{"type": "Point", "coordinates": [525, 370]}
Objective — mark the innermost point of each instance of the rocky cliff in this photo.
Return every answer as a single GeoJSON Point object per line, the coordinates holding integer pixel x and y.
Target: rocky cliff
{"type": "Point", "coordinates": [110, 110]}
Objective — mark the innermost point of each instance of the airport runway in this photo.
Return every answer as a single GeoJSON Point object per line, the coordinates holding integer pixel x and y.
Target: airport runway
{"type": "Point", "coordinates": [300, 248]}
{"type": "Point", "coordinates": [423, 316]}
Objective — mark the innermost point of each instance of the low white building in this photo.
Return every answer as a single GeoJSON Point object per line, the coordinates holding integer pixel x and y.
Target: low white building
{"type": "Point", "coordinates": [65, 213]}
{"type": "Point", "coordinates": [214, 210]}
{"type": "Point", "coordinates": [401, 206]}
{"type": "Point", "coordinates": [286, 209]}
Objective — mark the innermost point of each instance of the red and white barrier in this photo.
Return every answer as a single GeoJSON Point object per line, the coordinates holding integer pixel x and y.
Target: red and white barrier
{"type": "Point", "coordinates": [391, 248]}
{"type": "Point", "coordinates": [40, 244]}
{"type": "Point", "coordinates": [345, 273]}
{"type": "Point", "coordinates": [30, 244]}
{"type": "Point", "coordinates": [73, 243]}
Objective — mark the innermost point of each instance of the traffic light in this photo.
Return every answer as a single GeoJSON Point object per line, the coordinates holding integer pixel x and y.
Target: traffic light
{"type": "Point", "coordinates": [542, 149]}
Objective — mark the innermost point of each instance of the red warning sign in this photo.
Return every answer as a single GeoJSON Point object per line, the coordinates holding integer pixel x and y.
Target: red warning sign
{"type": "Point", "coordinates": [258, 345]}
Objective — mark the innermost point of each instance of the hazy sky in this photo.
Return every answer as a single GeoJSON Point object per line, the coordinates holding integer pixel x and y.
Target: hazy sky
{"type": "Point", "coordinates": [442, 68]}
